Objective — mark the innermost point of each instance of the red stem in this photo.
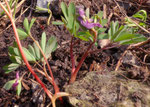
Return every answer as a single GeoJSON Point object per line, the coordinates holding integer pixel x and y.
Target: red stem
{"type": "Point", "coordinates": [21, 50]}
{"type": "Point", "coordinates": [49, 68]}
{"type": "Point", "coordinates": [74, 74]}
{"type": "Point", "coordinates": [71, 55]}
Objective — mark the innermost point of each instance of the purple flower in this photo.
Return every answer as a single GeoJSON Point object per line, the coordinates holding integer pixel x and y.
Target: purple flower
{"type": "Point", "coordinates": [16, 82]}
{"type": "Point", "coordinates": [81, 13]}
{"type": "Point", "coordinates": [87, 22]}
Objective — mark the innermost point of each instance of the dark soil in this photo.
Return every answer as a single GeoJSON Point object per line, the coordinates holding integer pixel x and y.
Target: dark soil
{"type": "Point", "coordinates": [32, 95]}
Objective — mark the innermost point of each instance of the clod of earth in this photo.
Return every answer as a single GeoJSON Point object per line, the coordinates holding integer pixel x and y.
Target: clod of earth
{"type": "Point", "coordinates": [108, 90]}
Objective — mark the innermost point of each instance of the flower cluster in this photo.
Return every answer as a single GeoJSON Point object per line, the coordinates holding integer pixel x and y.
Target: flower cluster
{"type": "Point", "coordinates": [84, 21]}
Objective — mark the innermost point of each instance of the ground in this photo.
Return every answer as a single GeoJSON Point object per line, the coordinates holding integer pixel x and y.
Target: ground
{"type": "Point", "coordinates": [135, 63]}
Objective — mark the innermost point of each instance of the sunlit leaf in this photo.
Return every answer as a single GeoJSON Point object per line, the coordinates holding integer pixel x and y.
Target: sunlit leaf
{"type": "Point", "coordinates": [87, 12]}
{"type": "Point", "coordinates": [31, 50]}
{"type": "Point", "coordinates": [43, 41]}
{"type": "Point", "coordinates": [118, 32]}
{"type": "Point", "coordinates": [37, 51]}
{"type": "Point", "coordinates": [51, 44]}
{"type": "Point", "coordinates": [102, 36]}
{"type": "Point", "coordinates": [19, 88]}
{"type": "Point", "coordinates": [10, 67]}
{"type": "Point", "coordinates": [31, 23]}
{"type": "Point", "coordinates": [28, 55]}
{"type": "Point", "coordinates": [26, 25]}
{"type": "Point", "coordinates": [57, 23]}
{"type": "Point", "coordinates": [22, 33]}
{"type": "Point", "coordinates": [71, 13]}
{"type": "Point", "coordinates": [16, 59]}
{"type": "Point", "coordinates": [85, 36]}
{"type": "Point", "coordinates": [133, 40]}
{"type": "Point", "coordinates": [9, 84]}
{"type": "Point", "coordinates": [64, 10]}
{"type": "Point", "coordinates": [100, 14]}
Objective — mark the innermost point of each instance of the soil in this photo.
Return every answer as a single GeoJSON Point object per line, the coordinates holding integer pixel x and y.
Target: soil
{"type": "Point", "coordinates": [135, 63]}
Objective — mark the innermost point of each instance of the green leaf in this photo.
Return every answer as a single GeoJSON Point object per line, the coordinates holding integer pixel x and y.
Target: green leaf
{"type": "Point", "coordinates": [31, 50]}
{"type": "Point", "coordinates": [100, 14]}
{"type": "Point", "coordinates": [19, 88]}
{"type": "Point", "coordinates": [104, 21]}
{"type": "Point", "coordinates": [28, 55]}
{"type": "Point", "coordinates": [85, 36]}
{"type": "Point", "coordinates": [31, 23]}
{"type": "Point", "coordinates": [112, 29]}
{"type": "Point", "coordinates": [11, 50]}
{"type": "Point", "coordinates": [64, 20]}
{"type": "Point", "coordinates": [57, 23]}
{"type": "Point", "coordinates": [64, 10]}
{"type": "Point", "coordinates": [26, 25]}
{"type": "Point", "coordinates": [9, 84]}
{"type": "Point", "coordinates": [22, 33]}
{"type": "Point", "coordinates": [118, 32]}
{"type": "Point", "coordinates": [124, 36]}
{"type": "Point", "coordinates": [71, 16]}
{"type": "Point", "coordinates": [102, 36]}
{"type": "Point", "coordinates": [71, 9]}
{"type": "Point", "coordinates": [87, 12]}
{"type": "Point", "coordinates": [50, 46]}
{"type": "Point", "coordinates": [101, 30]}
{"type": "Point", "coordinates": [16, 59]}
{"type": "Point", "coordinates": [10, 67]}
{"type": "Point", "coordinates": [43, 41]}
{"type": "Point", "coordinates": [134, 40]}
{"type": "Point", "coordinates": [37, 51]}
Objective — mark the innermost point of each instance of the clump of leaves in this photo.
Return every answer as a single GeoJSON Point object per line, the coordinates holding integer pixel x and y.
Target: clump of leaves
{"type": "Point", "coordinates": [140, 16]}
{"type": "Point", "coordinates": [32, 53]}
{"type": "Point", "coordinates": [123, 34]}
{"type": "Point", "coordinates": [24, 33]}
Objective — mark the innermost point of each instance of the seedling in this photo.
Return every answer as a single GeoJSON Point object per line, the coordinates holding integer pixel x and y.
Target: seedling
{"type": "Point", "coordinates": [123, 35]}
{"type": "Point", "coordinates": [32, 54]}
{"type": "Point", "coordinates": [91, 30]}
{"type": "Point", "coordinates": [52, 96]}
